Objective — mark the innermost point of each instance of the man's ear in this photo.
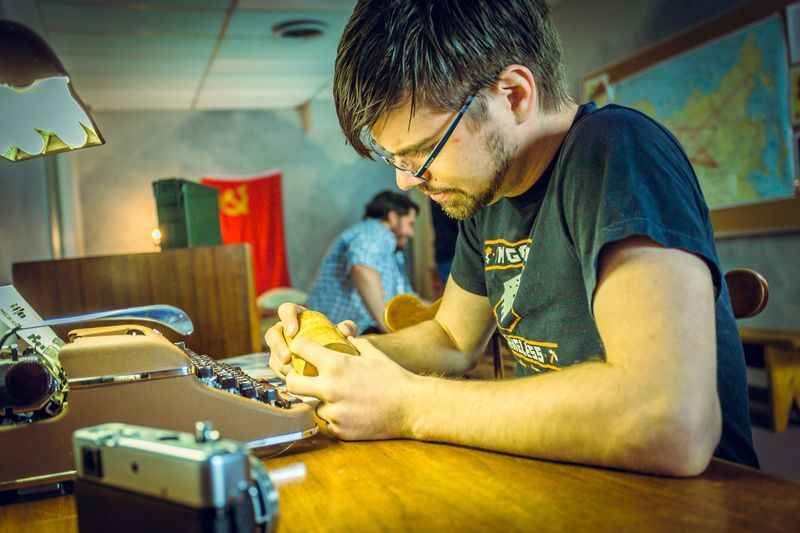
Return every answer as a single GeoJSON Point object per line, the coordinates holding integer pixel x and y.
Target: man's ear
{"type": "Point", "coordinates": [392, 218]}
{"type": "Point", "coordinates": [518, 88]}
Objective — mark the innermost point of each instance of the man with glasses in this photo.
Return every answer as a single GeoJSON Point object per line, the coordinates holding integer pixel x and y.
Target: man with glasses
{"type": "Point", "coordinates": [584, 240]}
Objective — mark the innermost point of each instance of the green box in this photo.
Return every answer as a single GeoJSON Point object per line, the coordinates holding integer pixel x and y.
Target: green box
{"type": "Point", "coordinates": [188, 213]}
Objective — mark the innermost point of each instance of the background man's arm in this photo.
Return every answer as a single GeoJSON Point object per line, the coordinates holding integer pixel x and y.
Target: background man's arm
{"type": "Point", "coordinates": [367, 281]}
{"type": "Point", "coordinates": [651, 406]}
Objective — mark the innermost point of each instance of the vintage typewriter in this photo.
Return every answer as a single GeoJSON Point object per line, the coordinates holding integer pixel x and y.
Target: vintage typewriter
{"type": "Point", "coordinates": [126, 373]}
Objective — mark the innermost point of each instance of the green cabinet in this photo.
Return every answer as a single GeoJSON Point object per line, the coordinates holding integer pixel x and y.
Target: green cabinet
{"type": "Point", "coordinates": [188, 213]}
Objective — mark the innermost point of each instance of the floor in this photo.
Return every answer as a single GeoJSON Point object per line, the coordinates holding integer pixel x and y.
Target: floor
{"type": "Point", "coordinates": [779, 453]}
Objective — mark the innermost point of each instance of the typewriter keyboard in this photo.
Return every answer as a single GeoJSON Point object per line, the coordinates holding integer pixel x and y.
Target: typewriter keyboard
{"type": "Point", "coordinates": [247, 376]}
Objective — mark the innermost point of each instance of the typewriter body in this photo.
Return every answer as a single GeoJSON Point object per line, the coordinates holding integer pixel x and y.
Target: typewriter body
{"type": "Point", "coordinates": [132, 374]}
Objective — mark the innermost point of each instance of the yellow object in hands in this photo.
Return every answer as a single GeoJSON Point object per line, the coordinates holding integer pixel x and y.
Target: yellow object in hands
{"type": "Point", "coordinates": [316, 327]}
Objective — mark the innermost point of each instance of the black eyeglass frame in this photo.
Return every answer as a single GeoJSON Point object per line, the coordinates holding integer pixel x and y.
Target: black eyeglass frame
{"type": "Point", "coordinates": [388, 157]}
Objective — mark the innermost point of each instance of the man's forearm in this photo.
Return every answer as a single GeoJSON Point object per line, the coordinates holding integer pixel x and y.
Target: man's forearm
{"type": "Point", "coordinates": [587, 414]}
{"type": "Point", "coordinates": [367, 282]}
{"type": "Point", "coordinates": [424, 348]}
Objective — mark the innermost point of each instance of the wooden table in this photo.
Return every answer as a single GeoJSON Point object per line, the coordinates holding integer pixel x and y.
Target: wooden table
{"type": "Point", "coordinates": [414, 486]}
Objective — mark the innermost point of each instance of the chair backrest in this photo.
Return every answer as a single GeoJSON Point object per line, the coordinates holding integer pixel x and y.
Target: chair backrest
{"type": "Point", "coordinates": [749, 292]}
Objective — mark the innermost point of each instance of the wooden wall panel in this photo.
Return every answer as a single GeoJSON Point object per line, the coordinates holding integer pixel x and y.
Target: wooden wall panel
{"type": "Point", "coordinates": [213, 284]}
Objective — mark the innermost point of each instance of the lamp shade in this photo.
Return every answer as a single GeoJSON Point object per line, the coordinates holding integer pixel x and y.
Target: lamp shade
{"type": "Point", "coordinates": [40, 112]}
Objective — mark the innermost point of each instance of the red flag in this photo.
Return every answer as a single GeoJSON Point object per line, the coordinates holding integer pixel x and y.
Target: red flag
{"type": "Point", "coordinates": [250, 210]}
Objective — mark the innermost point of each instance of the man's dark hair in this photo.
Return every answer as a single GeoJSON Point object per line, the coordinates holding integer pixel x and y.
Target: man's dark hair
{"type": "Point", "coordinates": [386, 201]}
{"type": "Point", "coordinates": [438, 52]}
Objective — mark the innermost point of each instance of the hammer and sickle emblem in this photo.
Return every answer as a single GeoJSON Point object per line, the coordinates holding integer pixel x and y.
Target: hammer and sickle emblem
{"type": "Point", "coordinates": [234, 202]}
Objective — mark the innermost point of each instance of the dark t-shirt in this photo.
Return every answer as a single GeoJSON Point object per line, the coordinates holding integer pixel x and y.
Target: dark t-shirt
{"type": "Point", "coordinates": [445, 231]}
{"type": "Point", "coordinates": [617, 174]}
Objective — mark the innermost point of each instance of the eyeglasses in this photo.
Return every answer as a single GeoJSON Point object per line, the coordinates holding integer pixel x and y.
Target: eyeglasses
{"type": "Point", "coordinates": [404, 164]}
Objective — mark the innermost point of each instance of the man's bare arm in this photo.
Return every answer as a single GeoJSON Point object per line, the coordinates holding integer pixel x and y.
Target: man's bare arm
{"type": "Point", "coordinates": [448, 345]}
{"type": "Point", "coordinates": [367, 281]}
{"type": "Point", "coordinates": [651, 406]}
{"type": "Point", "coordinates": [451, 343]}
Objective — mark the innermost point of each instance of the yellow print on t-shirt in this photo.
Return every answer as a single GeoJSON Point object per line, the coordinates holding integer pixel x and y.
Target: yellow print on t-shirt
{"type": "Point", "coordinates": [500, 254]}
{"type": "Point", "coordinates": [537, 353]}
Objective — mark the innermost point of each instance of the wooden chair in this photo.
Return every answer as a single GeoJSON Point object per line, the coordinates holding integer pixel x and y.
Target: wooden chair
{"type": "Point", "coordinates": [749, 292]}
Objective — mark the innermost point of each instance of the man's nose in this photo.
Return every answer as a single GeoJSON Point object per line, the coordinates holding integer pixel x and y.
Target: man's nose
{"type": "Point", "coordinates": [406, 181]}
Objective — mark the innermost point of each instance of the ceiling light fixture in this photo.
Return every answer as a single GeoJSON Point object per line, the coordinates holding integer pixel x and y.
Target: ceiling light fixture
{"type": "Point", "coordinates": [299, 29]}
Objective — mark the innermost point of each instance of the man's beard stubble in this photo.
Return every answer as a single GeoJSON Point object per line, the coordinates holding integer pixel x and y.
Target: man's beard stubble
{"type": "Point", "coordinates": [464, 204]}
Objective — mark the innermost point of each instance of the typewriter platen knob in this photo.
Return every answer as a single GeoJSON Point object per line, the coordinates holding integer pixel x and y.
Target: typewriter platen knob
{"type": "Point", "coordinates": [25, 382]}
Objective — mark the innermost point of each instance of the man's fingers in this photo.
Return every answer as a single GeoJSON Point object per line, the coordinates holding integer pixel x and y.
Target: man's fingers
{"type": "Point", "coordinates": [274, 364]}
{"type": "Point", "coordinates": [278, 350]}
{"type": "Point", "coordinates": [282, 370]}
{"type": "Point", "coordinates": [348, 328]}
{"type": "Point", "coordinates": [325, 411]}
{"type": "Point", "coordinates": [304, 385]}
{"type": "Point", "coordinates": [278, 365]}
{"type": "Point", "coordinates": [314, 353]}
{"type": "Point", "coordinates": [288, 314]}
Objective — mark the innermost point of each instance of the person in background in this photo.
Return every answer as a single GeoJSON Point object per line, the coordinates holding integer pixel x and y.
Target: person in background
{"type": "Point", "coordinates": [365, 266]}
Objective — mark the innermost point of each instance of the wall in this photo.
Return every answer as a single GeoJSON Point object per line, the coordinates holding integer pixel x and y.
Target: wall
{"type": "Point", "coordinates": [24, 227]}
{"type": "Point", "coordinates": [619, 29]}
{"type": "Point", "coordinates": [325, 185]}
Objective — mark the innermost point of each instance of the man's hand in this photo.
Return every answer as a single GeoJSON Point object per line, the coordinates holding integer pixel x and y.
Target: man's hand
{"type": "Point", "coordinates": [280, 360]}
{"type": "Point", "coordinates": [363, 398]}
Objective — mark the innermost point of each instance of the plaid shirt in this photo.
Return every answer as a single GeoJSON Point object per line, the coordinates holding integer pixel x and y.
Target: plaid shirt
{"type": "Point", "coordinates": [367, 243]}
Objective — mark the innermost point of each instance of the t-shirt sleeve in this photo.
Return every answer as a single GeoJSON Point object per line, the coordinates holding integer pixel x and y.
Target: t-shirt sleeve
{"type": "Point", "coordinates": [467, 268]}
{"type": "Point", "coordinates": [624, 175]}
{"type": "Point", "coordinates": [369, 249]}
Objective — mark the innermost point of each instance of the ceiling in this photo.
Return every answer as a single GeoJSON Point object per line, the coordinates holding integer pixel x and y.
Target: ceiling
{"type": "Point", "coordinates": [188, 54]}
